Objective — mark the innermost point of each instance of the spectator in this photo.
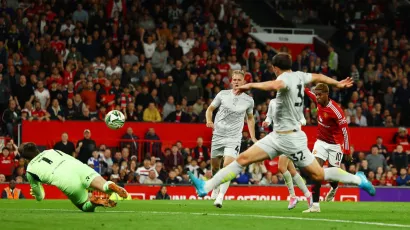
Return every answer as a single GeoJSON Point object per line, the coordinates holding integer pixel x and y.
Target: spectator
{"type": "Point", "coordinates": [23, 92]}
{"type": "Point", "coordinates": [144, 98]}
{"type": "Point", "coordinates": [131, 143]}
{"type": "Point", "coordinates": [192, 89]}
{"type": "Point", "coordinates": [144, 170]}
{"type": "Point", "coordinates": [169, 89]}
{"type": "Point", "coordinates": [401, 137]}
{"type": "Point", "coordinates": [382, 149]}
{"type": "Point", "coordinates": [159, 58]}
{"type": "Point", "coordinates": [42, 95]}
{"type": "Point", "coordinates": [257, 170]}
{"type": "Point", "coordinates": [65, 145]}
{"type": "Point", "coordinates": [360, 118]}
{"type": "Point", "coordinates": [399, 158]}
{"type": "Point", "coordinates": [151, 114]}
{"type": "Point", "coordinates": [55, 111]}
{"type": "Point", "coordinates": [390, 180]}
{"type": "Point", "coordinates": [333, 59]}
{"type": "Point", "coordinates": [153, 147]}
{"type": "Point", "coordinates": [172, 178]}
{"type": "Point", "coordinates": [376, 160]}
{"type": "Point", "coordinates": [95, 162]}
{"type": "Point", "coordinates": [2, 178]}
{"type": "Point", "coordinates": [243, 178]}
{"type": "Point", "coordinates": [152, 178]}
{"type": "Point", "coordinates": [403, 179]}
{"type": "Point", "coordinates": [11, 192]}
{"type": "Point", "coordinates": [201, 152]}
{"type": "Point", "coordinates": [160, 172]}
{"type": "Point", "coordinates": [39, 114]}
{"type": "Point", "coordinates": [267, 179]}
{"type": "Point", "coordinates": [11, 117]}
{"type": "Point", "coordinates": [85, 147]}
{"type": "Point", "coordinates": [169, 107]}
{"type": "Point", "coordinates": [6, 163]}
{"type": "Point", "coordinates": [174, 159]}
{"type": "Point", "coordinates": [178, 116]}
{"type": "Point", "coordinates": [162, 194]}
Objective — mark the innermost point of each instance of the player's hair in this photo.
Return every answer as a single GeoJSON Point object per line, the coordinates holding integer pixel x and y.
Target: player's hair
{"type": "Point", "coordinates": [322, 87]}
{"type": "Point", "coordinates": [283, 61]}
{"type": "Point", "coordinates": [28, 150]}
{"type": "Point", "coordinates": [238, 72]}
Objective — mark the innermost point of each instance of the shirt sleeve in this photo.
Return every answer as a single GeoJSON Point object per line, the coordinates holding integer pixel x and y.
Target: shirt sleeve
{"type": "Point", "coordinates": [285, 80]}
{"type": "Point", "coordinates": [343, 126]}
{"type": "Point", "coordinates": [306, 77]}
{"type": "Point", "coordinates": [217, 101]}
{"type": "Point", "coordinates": [310, 94]}
{"type": "Point", "coordinates": [269, 115]}
{"type": "Point", "coordinates": [36, 187]}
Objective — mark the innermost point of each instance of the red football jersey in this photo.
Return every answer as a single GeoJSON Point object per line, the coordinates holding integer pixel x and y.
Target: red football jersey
{"type": "Point", "coordinates": [332, 124]}
{"type": "Point", "coordinates": [223, 69]}
{"type": "Point", "coordinates": [6, 164]}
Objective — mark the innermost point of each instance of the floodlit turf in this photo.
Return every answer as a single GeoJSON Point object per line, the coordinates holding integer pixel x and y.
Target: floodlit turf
{"type": "Point", "coordinates": [181, 215]}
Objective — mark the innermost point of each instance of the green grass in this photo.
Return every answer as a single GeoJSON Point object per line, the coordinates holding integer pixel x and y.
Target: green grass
{"type": "Point", "coordinates": [163, 215]}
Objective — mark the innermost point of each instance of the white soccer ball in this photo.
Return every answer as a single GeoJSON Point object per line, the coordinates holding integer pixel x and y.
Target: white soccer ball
{"type": "Point", "coordinates": [115, 119]}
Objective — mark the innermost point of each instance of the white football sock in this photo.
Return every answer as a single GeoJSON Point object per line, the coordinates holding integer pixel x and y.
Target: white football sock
{"type": "Point", "coordinates": [223, 188]}
{"type": "Point", "coordinates": [105, 187]}
{"type": "Point", "coordinates": [337, 174]}
{"type": "Point", "coordinates": [289, 182]}
{"type": "Point", "coordinates": [224, 175]}
{"type": "Point", "coordinates": [301, 184]}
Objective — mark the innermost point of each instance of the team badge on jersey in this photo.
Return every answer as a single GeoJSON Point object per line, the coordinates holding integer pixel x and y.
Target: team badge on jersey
{"type": "Point", "coordinates": [325, 115]}
{"type": "Point", "coordinates": [235, 100]}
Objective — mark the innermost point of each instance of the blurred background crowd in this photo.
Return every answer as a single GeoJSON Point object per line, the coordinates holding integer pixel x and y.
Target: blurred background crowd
{"type": "Point", "coordinates": [164, 61]}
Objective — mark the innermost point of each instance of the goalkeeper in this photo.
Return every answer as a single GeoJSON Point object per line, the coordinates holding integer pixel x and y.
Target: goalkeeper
{"type": "Point", "coordinates": [68, 174]}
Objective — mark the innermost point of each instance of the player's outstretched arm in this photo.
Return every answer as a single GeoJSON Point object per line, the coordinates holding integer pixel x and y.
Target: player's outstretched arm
{"type": "Point", "coordinates": [346, 83]}
{"type": "Point", "coordinates": [251, 126]}
{"type": "Point", "coordinates": [266, 86]}
{"type": "Point", "coordinates": [311, 95]}
{"type": "Point", "coordinates": [37, 189]}
{"type": "Point", "coordinates": [208, 115]}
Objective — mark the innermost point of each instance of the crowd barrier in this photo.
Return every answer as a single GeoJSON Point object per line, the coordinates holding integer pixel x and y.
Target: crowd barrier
{"type": "Point", "coordinates": [47, 133]}
{"type": "Point", "coordinates": [263, 193]}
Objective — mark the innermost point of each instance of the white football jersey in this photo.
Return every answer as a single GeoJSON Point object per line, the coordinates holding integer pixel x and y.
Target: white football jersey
{"type": "Point", "coordinates": [231, 114]}
{"type": "Point", "coordinates": [288, 111]}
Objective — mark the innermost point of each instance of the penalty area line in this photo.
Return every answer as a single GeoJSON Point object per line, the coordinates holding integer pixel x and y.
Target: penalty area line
{"type": "Point", "coordinates": [227, 215]}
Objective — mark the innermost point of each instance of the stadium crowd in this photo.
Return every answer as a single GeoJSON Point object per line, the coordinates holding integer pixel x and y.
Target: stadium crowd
{"type": "Point", "coordinates": [165, 61]}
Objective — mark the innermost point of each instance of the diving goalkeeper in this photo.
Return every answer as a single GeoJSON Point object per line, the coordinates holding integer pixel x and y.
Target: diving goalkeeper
{"type": "Point", "coordinates": [68, 174]}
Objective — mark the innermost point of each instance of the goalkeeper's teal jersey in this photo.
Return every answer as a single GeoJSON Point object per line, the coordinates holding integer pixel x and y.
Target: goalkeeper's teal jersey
{"type": "Point", "coordinates": [43, 166]}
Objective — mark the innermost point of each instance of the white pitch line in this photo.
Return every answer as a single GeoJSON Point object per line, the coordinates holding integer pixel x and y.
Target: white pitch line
{"type": "Point", "coordinates": [230, 215]}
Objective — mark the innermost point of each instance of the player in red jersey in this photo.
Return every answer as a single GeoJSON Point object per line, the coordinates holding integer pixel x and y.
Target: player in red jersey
{"type": "Point", "coordinates": [332, 138]}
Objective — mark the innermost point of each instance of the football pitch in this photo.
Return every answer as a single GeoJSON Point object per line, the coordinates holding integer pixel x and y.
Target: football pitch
{"type": "Point", "coordinates": [200, 214]}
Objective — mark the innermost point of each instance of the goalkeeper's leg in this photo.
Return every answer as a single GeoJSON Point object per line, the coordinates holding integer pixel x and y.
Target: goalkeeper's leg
{"type": "Point", "coordinates": [99, 183]}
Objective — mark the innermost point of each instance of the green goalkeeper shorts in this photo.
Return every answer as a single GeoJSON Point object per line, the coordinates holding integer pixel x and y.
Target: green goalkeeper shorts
{"type": "Point", "coordinates": [73, 178]}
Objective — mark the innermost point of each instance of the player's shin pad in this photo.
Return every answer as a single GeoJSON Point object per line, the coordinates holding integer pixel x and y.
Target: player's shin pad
{"type": "Point", "coordinates": [337, 174]}
{"type": "Point", "coordinates": [224, 175]}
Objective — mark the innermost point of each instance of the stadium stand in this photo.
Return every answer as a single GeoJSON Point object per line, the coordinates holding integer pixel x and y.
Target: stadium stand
{"type": "Point", "coordinates": [61, 61]}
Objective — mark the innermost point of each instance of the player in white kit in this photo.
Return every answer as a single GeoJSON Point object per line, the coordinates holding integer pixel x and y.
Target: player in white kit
{"type": "Point", "coordinates": [287, 139]}
{"type": "Point", "coordinates": [227, 128]}
{"type": "Point", "coordinates": [286, 166]}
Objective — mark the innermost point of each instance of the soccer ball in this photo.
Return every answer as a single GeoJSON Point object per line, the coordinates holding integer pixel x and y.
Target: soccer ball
{"type": "Point", "coordinates": [115, 119]}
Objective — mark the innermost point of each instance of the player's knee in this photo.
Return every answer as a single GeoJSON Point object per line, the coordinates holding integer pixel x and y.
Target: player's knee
{"type": "Point", "coordinates": [243, 160]}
